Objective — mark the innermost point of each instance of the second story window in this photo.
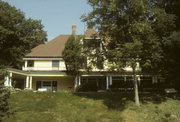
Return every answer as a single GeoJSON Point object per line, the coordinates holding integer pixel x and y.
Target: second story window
{"type": "Point", "coordinates": [100, 62]}
{"type": "Point", "coordinates": [30, 63]}
{"type": "Point", "coordinates": [55, 63]}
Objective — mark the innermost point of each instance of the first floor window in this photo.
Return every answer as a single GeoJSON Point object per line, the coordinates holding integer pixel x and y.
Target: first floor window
{"type": "Point", "coordinates": [46, 83]}
{"type": "Point", "coordinates": [52, 85]}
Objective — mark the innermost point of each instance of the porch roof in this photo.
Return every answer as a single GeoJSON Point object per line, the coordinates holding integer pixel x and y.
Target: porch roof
{"type": "Point", "coordinates": [39, 73]}
{"type": "Point", "coordinates": [64, 73]}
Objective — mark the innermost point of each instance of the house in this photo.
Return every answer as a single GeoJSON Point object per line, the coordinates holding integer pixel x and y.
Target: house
{"type": "Point", "coordinates": [44, 70]}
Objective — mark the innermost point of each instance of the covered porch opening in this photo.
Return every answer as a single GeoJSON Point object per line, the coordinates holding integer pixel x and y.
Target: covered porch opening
{"type": "Point", "coordinates": [93, 83]}
{"type": "Point", "coordinates": [115, 83]}
{"type": "Point", "coordinates": [18, 81]}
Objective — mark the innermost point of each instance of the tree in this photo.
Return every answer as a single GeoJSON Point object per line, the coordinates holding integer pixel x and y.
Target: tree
{"type": "Point", "coordinates": [172, 65]}
{"type": "Point", "coordinates": [131, 33]}
{"type": "Point", "coordinates": [18, 35]}
{"type": "Point", "coordinates": [72, 55]}
{"type": "Point", "coordinates": [171, 44]}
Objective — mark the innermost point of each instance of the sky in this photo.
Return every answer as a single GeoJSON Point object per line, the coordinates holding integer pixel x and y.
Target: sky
{"type": "Point", "coordinates": [57, 16]}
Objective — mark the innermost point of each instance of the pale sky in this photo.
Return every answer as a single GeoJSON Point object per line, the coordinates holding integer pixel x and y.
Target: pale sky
{"type": "Point", "coordinates": [57, 16]}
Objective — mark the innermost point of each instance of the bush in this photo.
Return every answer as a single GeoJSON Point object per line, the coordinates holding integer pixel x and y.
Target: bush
{"type": "Point", "coordinates": [4, 96]}
{"type": "Point", "coordinates": [86, 88]}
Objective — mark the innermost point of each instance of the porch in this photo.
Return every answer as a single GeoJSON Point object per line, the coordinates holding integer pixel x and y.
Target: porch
{"type": "Point", "coordinates": [57, 81]}
{"type": "Point", "coordinates": [40, 81]}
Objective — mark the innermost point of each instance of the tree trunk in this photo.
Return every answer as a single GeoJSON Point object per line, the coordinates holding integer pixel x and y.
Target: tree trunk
{"type": "Point", "coordinates": [136, 93]}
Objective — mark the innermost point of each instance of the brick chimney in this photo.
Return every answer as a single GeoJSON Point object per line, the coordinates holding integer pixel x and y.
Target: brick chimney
{"type": "Point", "coordinates": [73, 29]}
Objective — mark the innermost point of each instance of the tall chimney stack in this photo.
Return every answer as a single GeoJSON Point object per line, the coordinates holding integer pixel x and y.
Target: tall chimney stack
{"type": "Point", "coordinates": [73, 29]}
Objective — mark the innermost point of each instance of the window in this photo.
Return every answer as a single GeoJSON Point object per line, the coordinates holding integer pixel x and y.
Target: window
{"type": "Point", "coordinates": [99, 63]}
{"type": "Point", "coordinates": [55, 63]}
{"type": "Point", "coordinates": [46, 83]}
{"type": "Point", "coordinates": [49, 85]}
{"type": "Point", "coordinates": [30, 63]}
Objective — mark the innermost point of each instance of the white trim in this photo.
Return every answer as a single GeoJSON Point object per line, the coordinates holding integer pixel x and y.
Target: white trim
{"type": "Point", "coordinates": [43, 58]}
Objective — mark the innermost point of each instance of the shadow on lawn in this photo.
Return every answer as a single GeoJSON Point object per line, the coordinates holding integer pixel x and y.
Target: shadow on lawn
{"type": "Point", "coordinates": [119, 100]}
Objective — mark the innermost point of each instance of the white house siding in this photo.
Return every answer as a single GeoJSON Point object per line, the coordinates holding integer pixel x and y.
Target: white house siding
{"type": "Point", "coordinates": [62, 65]}
{"type": "Point", "coordinates": [42, 65]}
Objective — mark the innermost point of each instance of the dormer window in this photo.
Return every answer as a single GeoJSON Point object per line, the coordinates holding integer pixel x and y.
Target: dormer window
{"type": "Point", "coordinates": [55, 63]}
{"type": "Point", "coordinates": [30, 63]}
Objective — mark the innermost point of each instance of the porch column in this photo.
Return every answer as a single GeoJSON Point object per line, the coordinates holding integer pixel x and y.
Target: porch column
{"type": "Point", "coordinates": [25, 66]}
{"type": "Point", "coordinates": [10, 79]}
{"type": "Point", "coordinates": [107, 82]}
{"type": "Point", "coordinates": [30, 82]}
{"type": "Point", "coordinates": [6, 81]}
{"type": "Point", "coordinates": [154, 79]}
{"type": "Point", "coordinates": [76, 82]}
{"type": "Point", "coordinates": [27, 82]}
{"type": "Point", "coordinates": [110, 78]}
{"type": "Point", "coordinates": [79, 80]}
{"type": "Point", "coordinates": [125, 78]}
{"type": "Point", "coordinates": [139, 79]}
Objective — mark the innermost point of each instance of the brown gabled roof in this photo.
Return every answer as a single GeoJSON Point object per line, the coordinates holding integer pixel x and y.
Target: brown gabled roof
{"type": "Point", "coordinates": [53, 48]}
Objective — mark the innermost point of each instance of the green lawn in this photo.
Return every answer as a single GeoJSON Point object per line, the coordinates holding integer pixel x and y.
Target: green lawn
{"type": "Point", "coordinates": [91, 107]}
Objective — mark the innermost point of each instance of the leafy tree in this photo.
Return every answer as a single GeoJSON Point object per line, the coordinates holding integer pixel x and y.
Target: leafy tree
{"type": "Point", "coordinates": [172, 61]}
{"type": "Point", "coordinates": [171, 44]}
{"type": "Point", "coordinates": [18, 35]}
{"type": "Point", "coordinates": [132, 31]}
{"type": "Point", "coordinates": [72, 55]}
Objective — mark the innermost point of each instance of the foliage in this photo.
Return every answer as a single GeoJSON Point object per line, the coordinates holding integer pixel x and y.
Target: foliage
{"type": "Point", "coordinates": [133, 31]}
{"type": "Point", "coordinates": [171, 46]}
{"type": "Point", "coordinates": [18, 35]}
{"type": "Point", "coordinates": [72, 54]}
{"type": "Point", "coordinates": [4, 96]}
{"type": "Point", "coordinates": [172, 49]}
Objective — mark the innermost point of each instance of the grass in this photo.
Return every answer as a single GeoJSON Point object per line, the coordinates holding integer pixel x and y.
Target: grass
{"type": "Point", "coordinates": [86, 107]}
